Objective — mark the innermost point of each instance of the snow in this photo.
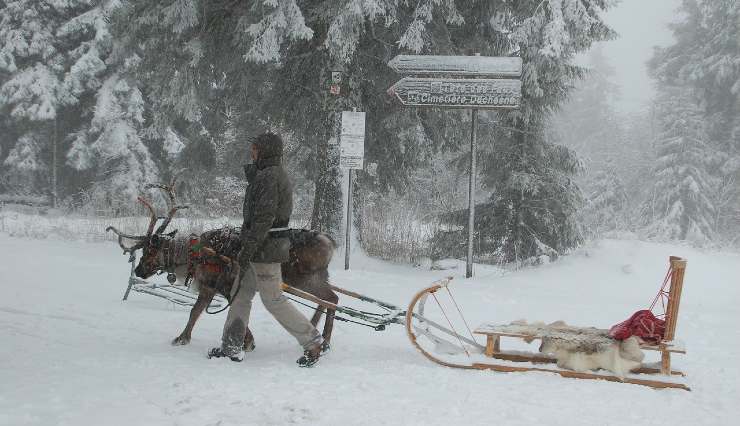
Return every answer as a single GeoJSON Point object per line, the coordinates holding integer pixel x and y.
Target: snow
{"type": "Point", "coordinates": [74, 353]}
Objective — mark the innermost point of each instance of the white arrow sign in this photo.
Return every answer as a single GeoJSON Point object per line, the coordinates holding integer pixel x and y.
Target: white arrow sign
{"type": "Point", "coordinates": [458, 93]}
{"type": "Point", "coordinates": [491, 66]}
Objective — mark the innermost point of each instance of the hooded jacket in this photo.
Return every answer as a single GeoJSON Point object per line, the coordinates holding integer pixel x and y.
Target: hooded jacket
{"type": "Point", "coordinates": [268, 203]}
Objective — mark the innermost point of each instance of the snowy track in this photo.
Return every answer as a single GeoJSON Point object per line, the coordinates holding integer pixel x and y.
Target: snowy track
{"type": "Point", "coordinates": [72, 353]}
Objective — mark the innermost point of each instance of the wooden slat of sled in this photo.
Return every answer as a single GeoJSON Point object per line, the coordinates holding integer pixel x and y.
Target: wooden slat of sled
{"type": "Point", "coordinates": [673, 347]}
{"type": "Point", "coordinates": [577, 375]}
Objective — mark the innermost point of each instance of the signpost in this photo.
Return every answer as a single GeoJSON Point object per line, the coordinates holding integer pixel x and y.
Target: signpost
{"type": "Point", "coordinates": [488, 82]}
{"type": "Point", "coordinates": [351, 156]}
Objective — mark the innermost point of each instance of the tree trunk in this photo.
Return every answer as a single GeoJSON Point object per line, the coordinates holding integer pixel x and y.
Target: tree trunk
{"type": "Point", "coordinates": [54, 193]}
{"type": "Point", "coordinates": [327, 205]}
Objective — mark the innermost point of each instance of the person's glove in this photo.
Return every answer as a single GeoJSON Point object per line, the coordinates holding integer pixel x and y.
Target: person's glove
{"type": "Point", "coordinates": [244, 257]}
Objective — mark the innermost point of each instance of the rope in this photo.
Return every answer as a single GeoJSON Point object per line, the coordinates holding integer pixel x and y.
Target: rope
{"type": "Point", "coordinates": [662, 292]}
{"type": "Point", "coordinates": [450, 323]}
{"type": "Point", "coordinates": [230, 299]}
{"type": "Point", "coordinates": [228, 304]}
{"type": "Point", "coordinates": [461, 314]}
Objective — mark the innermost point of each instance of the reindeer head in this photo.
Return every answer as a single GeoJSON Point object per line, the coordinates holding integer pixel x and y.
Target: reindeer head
{"type": "Point", "coordinates": [153, 242]}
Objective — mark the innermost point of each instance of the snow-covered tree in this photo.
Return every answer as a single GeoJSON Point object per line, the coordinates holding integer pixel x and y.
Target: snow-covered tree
{"type": "Point", "coordinates": [32, 90]}
{"type": "Point", "coordinates": [606, 203]}
{"type": "Point", "coordinates": [698, 76]}
{"type": "Point", "coordinates": [59, 85]}
{"type": "Point", "coordinates": [534, 202]}
{"type": "Point", "coordinates": [272, 61]}
{"type": "Point", "coordinates": [683, 172]}
{"type": "Point", "coordinates": [112, 146]}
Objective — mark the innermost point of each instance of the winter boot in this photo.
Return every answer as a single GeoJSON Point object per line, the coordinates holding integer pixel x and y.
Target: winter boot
{"type": "Point", "coordinates": [310, 357]}
{"type": "Point", "coordinates": [219, 353]}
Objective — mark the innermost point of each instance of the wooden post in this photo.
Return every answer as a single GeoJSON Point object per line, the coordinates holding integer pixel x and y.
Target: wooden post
{"type": "Point", "coordinates": [489, 345]}
{"type": "Point", "coordinates": [678, 267]}
{"type": "Point", "coordinates": [665, 362]}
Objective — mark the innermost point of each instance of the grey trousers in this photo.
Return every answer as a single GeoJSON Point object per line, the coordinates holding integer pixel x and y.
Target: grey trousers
{"type": "Point", "coordinates": [265, 278]}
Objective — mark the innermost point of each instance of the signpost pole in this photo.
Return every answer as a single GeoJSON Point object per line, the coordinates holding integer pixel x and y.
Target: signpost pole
{"type": "Point", "coordinates": [352, 154]}
{"type": "Point", "coordinates": [348, 231]}
{"type": "Point", "coordinates": [456, 83]}
{"type": "Point", "coordinates": [471, 190]}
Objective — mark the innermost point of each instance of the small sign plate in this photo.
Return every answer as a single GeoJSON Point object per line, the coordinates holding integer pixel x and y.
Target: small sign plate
{"type": "Point", "coordinates": [352, 145]}
{"type": "Point", "coordinates": [468, 66]}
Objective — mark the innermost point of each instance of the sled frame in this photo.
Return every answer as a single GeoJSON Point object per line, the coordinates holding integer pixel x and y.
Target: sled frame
{"type": "Point", "coordinates": [493, 350]}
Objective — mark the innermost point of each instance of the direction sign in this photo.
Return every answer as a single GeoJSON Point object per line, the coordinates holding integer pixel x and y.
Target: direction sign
{"type": "Point", "coordinates": [352, 140]}
{"type": "Point", "coordinates": [458, 93]}
{"type": "Point", "coordinates": [484, 66]}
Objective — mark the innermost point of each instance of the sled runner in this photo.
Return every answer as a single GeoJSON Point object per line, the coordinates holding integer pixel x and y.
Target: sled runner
{"type": "Point", "coordinates": [177, 294]}
{"type": "Point", "coordinates": [492, 357]}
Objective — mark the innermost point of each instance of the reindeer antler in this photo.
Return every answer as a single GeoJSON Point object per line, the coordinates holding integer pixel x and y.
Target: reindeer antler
{"type": "Point", "coordinates": [170, 199]}
{"type": "Point", "coordinates": [172, 209]}
{"type": "Point", "coordinates": [139, 238]}
{"type": "Point", "coordinates": [152, 216]}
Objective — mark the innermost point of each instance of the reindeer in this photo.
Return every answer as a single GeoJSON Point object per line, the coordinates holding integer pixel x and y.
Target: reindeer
{"type": "Point", "coordinates": [207, 261]}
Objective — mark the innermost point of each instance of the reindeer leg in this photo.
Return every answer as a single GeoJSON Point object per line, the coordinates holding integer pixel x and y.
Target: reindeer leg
{"type": "Point", "coordinates": [204, 299]}
{"type": "Point", "coordinates": [329, 322]}
{"type": "Point", "coordinates": [317, 316]}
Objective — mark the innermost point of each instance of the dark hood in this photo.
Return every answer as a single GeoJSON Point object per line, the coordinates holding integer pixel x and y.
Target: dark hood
{"type": "Point", "coordinates": [270, 148]}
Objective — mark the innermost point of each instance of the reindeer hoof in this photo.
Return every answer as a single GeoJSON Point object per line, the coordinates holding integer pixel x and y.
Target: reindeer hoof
{"type": "Point", "coordinates": [325, 347]}
{"type": "Point", "coordinates": [180, 341]}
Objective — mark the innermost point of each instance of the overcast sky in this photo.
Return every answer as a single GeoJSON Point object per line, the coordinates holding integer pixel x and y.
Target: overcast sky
{"type": "Point", "coordinates": [641, 24]}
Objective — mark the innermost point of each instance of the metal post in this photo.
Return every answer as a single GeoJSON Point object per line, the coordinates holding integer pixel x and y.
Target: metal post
{"type": "Point", "coordinates": [348, 231]}
{"type": "Point", "coordinates": [471, 192]}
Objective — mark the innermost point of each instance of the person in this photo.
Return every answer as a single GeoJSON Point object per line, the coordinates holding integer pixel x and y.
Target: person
{"type": "Point", "coordinates": [268, 203]}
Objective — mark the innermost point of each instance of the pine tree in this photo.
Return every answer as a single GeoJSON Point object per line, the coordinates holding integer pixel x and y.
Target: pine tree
{"type": "Point", "coordinates": [65, 96]}
{"type": "Point", "coordinates": [32, 90]}
{"type": "Point", "coordinates": [683, 172]}
{"type": "Point", "coordinates": [113, 147]}
{"type": "Point", "coordinates": [702, 62]}
{"type": "Point", "coordinates": [606, 203]}
{"type": "Point", "coordinates": [533, 208]}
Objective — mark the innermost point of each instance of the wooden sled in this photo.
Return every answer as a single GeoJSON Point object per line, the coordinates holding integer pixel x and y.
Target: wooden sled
{"type": "Point", "coordinates": [179, 295]}
{"type": "Point", "coordinates": [655, 376]}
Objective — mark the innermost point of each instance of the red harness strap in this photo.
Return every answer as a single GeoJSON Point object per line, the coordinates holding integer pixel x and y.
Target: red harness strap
{"type": "Point", "coordinates": [199, 257]}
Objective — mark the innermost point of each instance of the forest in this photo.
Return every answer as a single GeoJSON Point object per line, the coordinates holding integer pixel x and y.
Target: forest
{"type": "Point", "coordinates": [100, 97]}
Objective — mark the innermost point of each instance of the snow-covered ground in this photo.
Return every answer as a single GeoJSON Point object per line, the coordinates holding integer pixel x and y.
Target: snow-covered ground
{"type": "Point", "coordinates": [72, 353]}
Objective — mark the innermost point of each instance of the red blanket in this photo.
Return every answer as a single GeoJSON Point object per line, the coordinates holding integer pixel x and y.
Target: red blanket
{"type": "Point", "coordinates": [642, 324]}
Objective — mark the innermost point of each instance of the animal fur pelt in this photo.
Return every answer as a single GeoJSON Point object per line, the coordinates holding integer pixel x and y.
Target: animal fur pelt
{"type": "Point", "coordinates": [581, 348]}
